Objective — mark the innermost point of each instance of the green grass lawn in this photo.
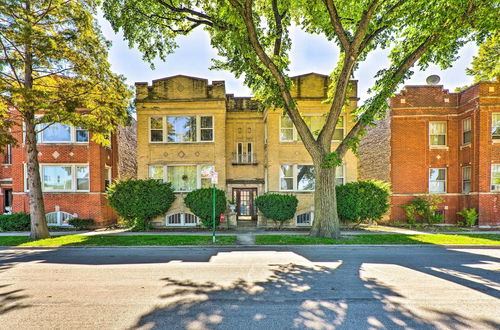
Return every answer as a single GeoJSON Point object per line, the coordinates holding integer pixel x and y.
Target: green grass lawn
{"type": "Point", "coordinates": [465, 239]}
{"type": "Point", "coordinates": [103, 240]}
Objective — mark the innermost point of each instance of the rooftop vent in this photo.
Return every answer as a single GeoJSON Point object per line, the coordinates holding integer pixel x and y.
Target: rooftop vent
{"type": "Point", "coordinates": [433, 80]}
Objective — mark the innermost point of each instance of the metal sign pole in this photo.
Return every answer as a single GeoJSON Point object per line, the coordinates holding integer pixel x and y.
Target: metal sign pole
{"type": "Point", "coordinates": [213, 214]}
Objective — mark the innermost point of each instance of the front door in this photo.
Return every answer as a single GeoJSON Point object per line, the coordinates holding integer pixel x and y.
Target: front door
{"type": "Point", "coordinates": [245, 203]}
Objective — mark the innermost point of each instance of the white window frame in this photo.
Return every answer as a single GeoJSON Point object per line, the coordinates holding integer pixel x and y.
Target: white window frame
{"type": "Point", "coordinates": [183, 220]}
{"type": "Point", "coordinates": [295, 134]}
{"type": "Point", "coordinates": [164, 173]}
{"type": "Point", "coordinates": [73, 177]}
{"type": "Point", "coordinates": [295, 179]}
{"type": "Point", "coordinates": [493, 128]}
{"type": "Point", "coordinates": [165, 130]}
{"type": "Point", "coordinates": [247, 157]}
{"type": "Point", "coordinates": [108, 176]}
{"type": "Point", "coordinates": [72, 130]}
{"type": "Point", "coordinates": [303, 224]}
{"type": "Point", "coordinates": [494, 188]}
{"type": "Point", "coordinates": [445, 180]}
{"type": "Point", "coordinates": [469, 119]}
{"type": "Point", "coordinates": [437, 146]}
{"type": "Point", "coordinates": [463, 179]}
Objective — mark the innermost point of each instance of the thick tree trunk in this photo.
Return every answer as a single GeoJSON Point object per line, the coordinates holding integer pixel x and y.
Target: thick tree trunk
{"type": "Point", "coordinates": [326, 221]}
{"type": "Point", "coordinates": [39, 228]}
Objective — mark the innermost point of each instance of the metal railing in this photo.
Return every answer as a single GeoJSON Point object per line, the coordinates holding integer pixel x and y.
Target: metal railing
{"type": "Point", "coordinates": [244, 158]}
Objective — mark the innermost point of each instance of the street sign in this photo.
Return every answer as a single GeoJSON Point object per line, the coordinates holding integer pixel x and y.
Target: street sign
{"type": "Point", "coordinates": [215, 177]}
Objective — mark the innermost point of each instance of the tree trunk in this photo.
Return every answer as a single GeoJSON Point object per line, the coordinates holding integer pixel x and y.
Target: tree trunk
{"type": "Point", "coordinates": [39, 228]}
{"type": "Point", "coordinates": [326, 220]}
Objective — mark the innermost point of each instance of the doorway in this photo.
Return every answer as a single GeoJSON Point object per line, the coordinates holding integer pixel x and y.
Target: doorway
{"type": "Point", "coordinates": [245, 203]}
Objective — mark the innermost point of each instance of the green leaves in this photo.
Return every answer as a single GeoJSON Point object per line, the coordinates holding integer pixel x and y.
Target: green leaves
{"type": "Point", "coordinates": [486, 65]}
{"type": "Point", "coordinates": [139, 201]}
{"type": "Point", "coordinates": [200, 202]}
{"type": "Point", "coordinates": [277, 207]}
{"type": "Point", "coordinates": [54, 61]}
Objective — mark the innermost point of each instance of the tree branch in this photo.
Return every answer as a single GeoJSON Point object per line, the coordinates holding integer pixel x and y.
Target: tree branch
{"type": "Point", "coordinates": [337, 25]}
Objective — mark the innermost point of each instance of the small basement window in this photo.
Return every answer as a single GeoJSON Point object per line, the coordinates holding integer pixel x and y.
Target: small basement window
{"type": "Point", "coordinates": [181, 219]}
{"type": "Point", "coordinates": [305, 219]}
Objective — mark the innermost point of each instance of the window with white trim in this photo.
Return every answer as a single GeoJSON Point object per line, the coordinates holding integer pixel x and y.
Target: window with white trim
{"type": "Point", "coordinates": [437, 133]}
{"type": "Point", "coordinates": [437, 180]}
{"type": "Point", "coordinates": [288, 132]}
{"type": "Point", "coordinates": [65, 178]}
{"type": "Point", "coordinates": [467, 131]}
{"type": "Point", "coordinates": [181, 129]}
{"type": "Point", "coordinates": [183, 177]}
{"type": "Point", "coordinates": [302, 177]}
{"type": "Point", "coordinates": [61, 133]}
{"type": "Point", "coordinates": [495, 177]}
{"type": "Point", "coordinates": [181, 219]}
{"type": "Point", "coordinates": [107, 177]}
{"type": "Point", "coordinates": [305, 219]}
{"type": "Point", "coordinates": [495, 126]}
{"type": "Point", "coordinates": [466, 175]}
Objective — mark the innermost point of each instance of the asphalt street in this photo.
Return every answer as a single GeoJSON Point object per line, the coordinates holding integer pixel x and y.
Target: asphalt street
{"type": "Point", "coordinates": [327, 287]}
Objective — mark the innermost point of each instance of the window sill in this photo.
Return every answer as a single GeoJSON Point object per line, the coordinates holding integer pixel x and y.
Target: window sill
{"type": "Point", "coordinates": [439, 147]}
{"type": "Point", "coordinates": [65, 143]}
{"type": "Point", "coordinates": [467, 145]}
{"type": "Point", "coordinates": [297, 191]}
{"type": "Point", "coordinates": [495, 141]}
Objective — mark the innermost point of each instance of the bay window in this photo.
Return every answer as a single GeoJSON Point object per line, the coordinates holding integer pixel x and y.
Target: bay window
{"type": "Point", "coordinates": [183, 177]}
{"type": "Point", "coordinates": [179, 129]}
{"type": "Point", "coordinates": [65, 178]}
{"type": "Point", "coordinates": [302, 177]}
{"type": "Point", "coordinates": [437, 180]}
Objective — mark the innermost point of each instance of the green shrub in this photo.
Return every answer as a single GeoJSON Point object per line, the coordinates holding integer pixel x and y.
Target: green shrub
{"type": "Point", "coordinates": [363, 200]}
{"type": "Point", "coordinates": [140, 201]}
{"type": "Point", "coordinates": [80, 223]}
{"type": "Point", "coordinates": [425, 207]}
{"type": "Point", "coordinates": [15, 222]}
{"type": "Point", "coordinates": [277, 207]}
{"type": "Point", "coordinates": [200, 202]}
{"type": "Point", "coordinates": [469, 217]}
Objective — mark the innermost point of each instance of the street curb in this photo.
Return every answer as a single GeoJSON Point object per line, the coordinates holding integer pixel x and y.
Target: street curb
{"type": "Point", "coordinates": [478, 246]}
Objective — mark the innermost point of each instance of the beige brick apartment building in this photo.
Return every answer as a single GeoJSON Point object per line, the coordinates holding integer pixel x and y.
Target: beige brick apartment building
{"type": "Point", "coordinates": [188, 127]}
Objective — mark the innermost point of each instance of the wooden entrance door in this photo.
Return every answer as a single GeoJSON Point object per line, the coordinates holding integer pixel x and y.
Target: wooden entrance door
{"type": "Point", "coordinates": [245, 203]}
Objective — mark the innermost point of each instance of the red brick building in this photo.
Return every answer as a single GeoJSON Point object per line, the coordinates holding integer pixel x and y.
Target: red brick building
{"type": "Point", "coordinates": [74, 171]}
{"type": "Point", "coordinates": [441, 143]}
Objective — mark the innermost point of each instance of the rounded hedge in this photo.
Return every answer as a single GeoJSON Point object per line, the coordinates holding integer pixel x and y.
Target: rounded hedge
{"type": "Point", "coordinates": [277, 207]}
{"type": "Point", "coordinates": [15, 222]}
{"type": "Point", "coordinates": [200, 202]}
{"type": "Point", "coordinates": [362, 200]}
{"type": "Point", "coordinates": [139, 201]}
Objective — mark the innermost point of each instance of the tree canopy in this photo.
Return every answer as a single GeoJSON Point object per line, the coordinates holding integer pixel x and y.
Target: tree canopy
{"type": "Point", "coordinates": [53, 60]}
{"type": "Point", "coordinates": [252, 39]}
{"type": "Point", "coordinates": [486, 64]}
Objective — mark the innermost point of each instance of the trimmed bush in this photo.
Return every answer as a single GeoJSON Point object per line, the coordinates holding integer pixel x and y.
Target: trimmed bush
{"type": "Point", "coordinates": [80, 223]}
{"type": "Point", "coordinates": [200, 202]}
{"type": "Point", "coordinates": [470, 217]}
{"type": "Point", "coordinates": [425, 208]}
{"type": "Point", "coordinates": [140, 201]}
{"type": "Point", "coordinates": [362, 201]}
{"type": "Point", "coordinates": [277, 207]}
{"type": "Point", "coordinates": [15, 222]}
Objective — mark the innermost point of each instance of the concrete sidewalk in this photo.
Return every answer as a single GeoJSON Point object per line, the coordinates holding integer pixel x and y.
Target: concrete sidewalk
{"type": "Point", "coordinates": [378, 230]}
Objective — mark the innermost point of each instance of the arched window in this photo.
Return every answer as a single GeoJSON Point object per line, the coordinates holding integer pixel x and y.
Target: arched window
{"type": "Point", "coordinates": [181, 219]}
{"type": "Point", "coordinates": [58, 218]}
{"type": "Point", "coordinates": [305, 219]}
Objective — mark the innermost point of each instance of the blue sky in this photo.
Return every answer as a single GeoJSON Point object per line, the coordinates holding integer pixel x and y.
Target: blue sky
{"type": "Point", "coordinates": [310, 53]}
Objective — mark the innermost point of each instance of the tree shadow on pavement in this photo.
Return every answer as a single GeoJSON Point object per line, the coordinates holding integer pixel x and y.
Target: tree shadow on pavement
{"type": "Point", "coordinates": [10, 299]}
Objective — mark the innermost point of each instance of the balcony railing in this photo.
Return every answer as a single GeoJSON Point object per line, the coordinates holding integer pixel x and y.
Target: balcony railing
{"type": "Point", "coordinates": [244, 158]}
